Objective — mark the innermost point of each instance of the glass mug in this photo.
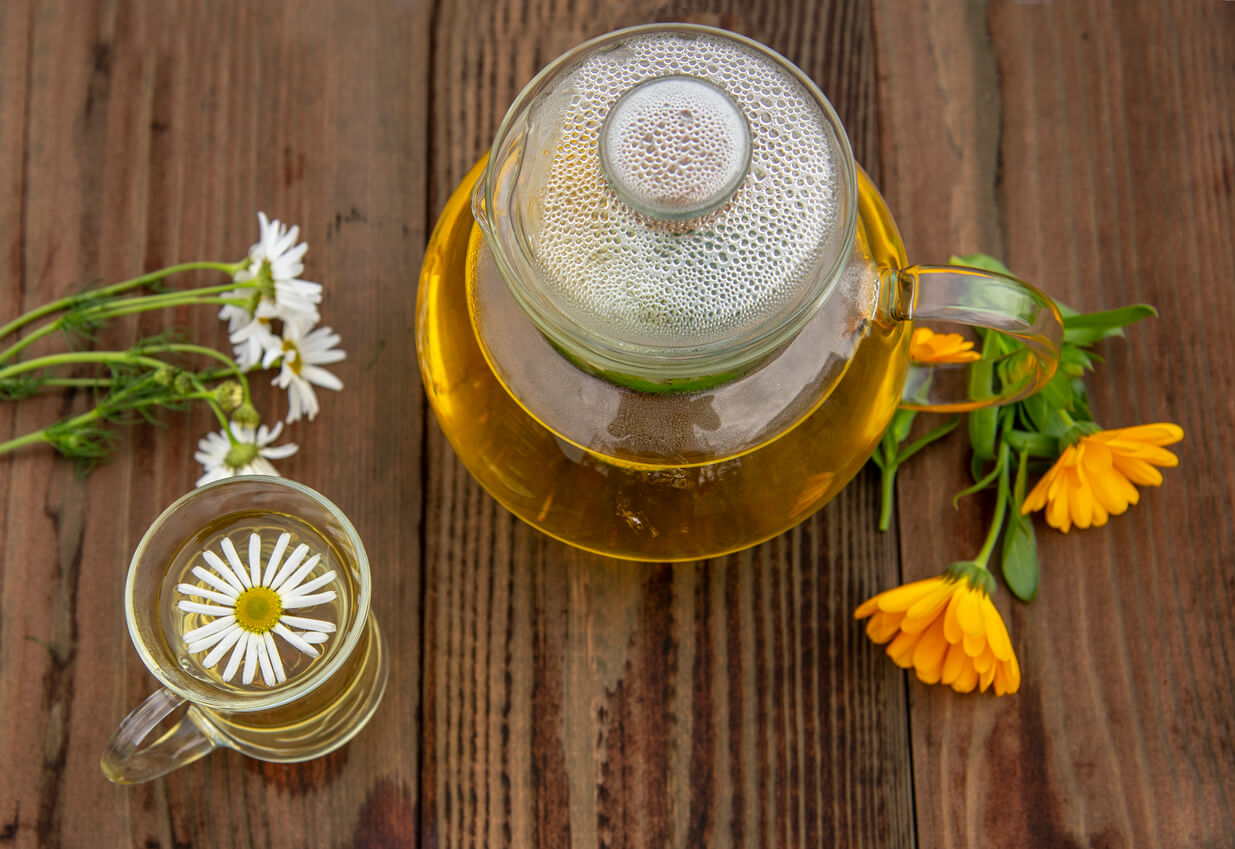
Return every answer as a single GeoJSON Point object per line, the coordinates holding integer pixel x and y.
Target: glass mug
{"type": "Point", "coordinates": [322, 695]}
{"type": "Point", "coordinates": [579, 373]}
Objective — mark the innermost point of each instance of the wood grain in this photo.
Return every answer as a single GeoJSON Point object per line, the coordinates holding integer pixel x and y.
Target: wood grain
{"type": "Point", "coordinates": [543, 697]}
{"type": "Point", "coordinates": [1089, 144]}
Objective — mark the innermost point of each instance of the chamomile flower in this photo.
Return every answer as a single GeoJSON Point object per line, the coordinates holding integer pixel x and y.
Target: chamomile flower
{"type": "Point", "coordinates": [248, 605]}
{"type": "Point", "coordinates": [249, 454]}
{"type": "Point", "coordinates": [301, 357]}
{"type": "Point", "coordinates": [275, 264]}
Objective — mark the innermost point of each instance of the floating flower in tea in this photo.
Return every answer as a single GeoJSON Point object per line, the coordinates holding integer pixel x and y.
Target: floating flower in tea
{"type": "Point", "coordinates": [249, 605]}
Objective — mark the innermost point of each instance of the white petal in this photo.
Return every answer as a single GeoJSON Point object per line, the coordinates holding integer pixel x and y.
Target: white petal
{"type": "Point", "coordinates": [212, 627]}
{"type": "Point", "coordinates": [250, 659]}
{"type": "Point", "coordinates": [229, 640]}
{"type": "Point", "coordinates": [255, 558]}
{"type": "Point", "coordinates": [224, 572]}
{"type": "Point", "coordinates": [233, 662]}
{"type": "Point", "coordinates": [294, 639]}
{"type": "Point", "coordinates": [320, 377]}
{"type": "Point", "coordinates": [206, 609]}
{"type": "Point", "coordinates": [307, 624]}
{"type": "Point", "coordinates": [290, 566]}
{"type": "Point", "coordinates": [319, 581]}
{"type": "Point", "coordinates": [279, 452]}
{"type": "Point", "coordinates": [315, 637]}
{"type": "Point", "coordinates": [289, 584]}
{"type": "Point", "coordinates": [280, 546]}
{"type": "Point", "coordinates": [233, 560]}
{"type": "Point", "coordinates": [296, 602]}
{"type": "Point", "coordinates": [272, 651]}
{"type": "Point", "coordinates": [214, 581]}
{"type": "Point", "coordinates": [210, 595]}
{"type": "Point", "coordinates": [206, 642]}
{"type": "Point", "coordinates": [264, 661]}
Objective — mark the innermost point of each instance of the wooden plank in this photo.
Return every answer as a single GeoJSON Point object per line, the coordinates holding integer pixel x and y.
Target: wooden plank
{"type": "Point", "coordinates": [136, 135]}
{"type": "Point", "coordinates": [1090, 145]}
{"type": "Point", "coordinates": [573, 700]}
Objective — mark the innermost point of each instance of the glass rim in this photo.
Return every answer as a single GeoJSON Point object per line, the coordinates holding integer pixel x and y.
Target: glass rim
{"type": "Point", "coordinates": [275, 698]}
{"type": "Point", "coordinates": [611, 355]}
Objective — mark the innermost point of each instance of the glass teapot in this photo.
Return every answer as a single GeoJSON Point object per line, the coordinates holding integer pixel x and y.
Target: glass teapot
{"type": "Point", "coordinates": [669, 317]}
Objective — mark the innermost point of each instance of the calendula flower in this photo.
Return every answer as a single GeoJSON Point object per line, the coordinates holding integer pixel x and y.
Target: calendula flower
{"type": "Point", "coordinates": [247, 606]}
{"type": "Point", "coordinates": [249, 452]}
{"type": "Point", "coordinates": [947, 629]}
{"type": "Point", "coordinates": [275, 264]}
{"type": "Point", "coordinates": [927, 346]}
{"type": "Point", "coordinates": [1095, 477]}
{"type": "Point", "coordinates": [302, 358]}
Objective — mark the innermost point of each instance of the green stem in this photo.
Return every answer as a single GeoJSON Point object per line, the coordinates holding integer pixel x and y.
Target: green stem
{"type": "Point", "coordinates": [116, 288]}
{"type": "Point", "coordinates": [126, 306]}
{"type": "Point", "coordinates": [98, 412]}
{"type": "Point", "coordinates": [121, 357]}
{"type": "Point", "coordinates": [1001, 508]}
{"type": "Point", "coordinates": [188, 348]}
{"type": "Point", "coordinates": [887, 480]}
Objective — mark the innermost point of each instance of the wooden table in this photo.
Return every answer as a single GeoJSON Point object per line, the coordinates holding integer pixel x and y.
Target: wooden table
{"type": "Point", "coordinates": [541, 697]}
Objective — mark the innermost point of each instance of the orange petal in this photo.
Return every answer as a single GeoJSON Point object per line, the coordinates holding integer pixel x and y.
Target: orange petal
{"type": "Point", "coordinates": [883, 626]}
{"type": "Point", "coordinates": [984, 661]}
{"type": "Point", "coordinates": [953, 663]}
{"type": "Point", "coordinates": [986, 678]}
{"type": "Point", "coordinates": [901, 649]}
{"type": "Point", "coordinates": [926, 609]}
{"type": "Point", "coordinates": [904, 596]}
{"type": "Point", "coordinates": [969, 614]}
{"type": "Point", "coordinates": [967, 679]}
{"type": "Point", "coordinates": [929, 651]}
{"type": "Point", "coordinates": [996, 632]}
{"type": "Point", "coordinates": [1159, 433]}
{"type": "Point", "coordinates": [951, 627]}
{"type": "Point", "coordinates": [974, 646]}
{"type": "Point", "coordinates": [1138, 471]}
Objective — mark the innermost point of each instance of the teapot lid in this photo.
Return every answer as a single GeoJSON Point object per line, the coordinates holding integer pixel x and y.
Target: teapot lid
{"type": "Point", "coordinates": [669, 202]}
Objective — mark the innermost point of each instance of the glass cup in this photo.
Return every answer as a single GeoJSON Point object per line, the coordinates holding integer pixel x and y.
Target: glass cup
{"type": "Point", "coordinates": [323, 685]}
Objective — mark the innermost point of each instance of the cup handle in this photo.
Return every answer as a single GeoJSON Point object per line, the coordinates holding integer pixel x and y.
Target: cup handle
{"type": "Point", "coordinates": [986, 299]}
{"type": "Point", "coordinates": [124, 763]}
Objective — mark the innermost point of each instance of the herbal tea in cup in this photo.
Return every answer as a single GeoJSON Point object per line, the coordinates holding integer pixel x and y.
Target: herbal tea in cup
{"type": "Point", "coordinates": [248, 599]}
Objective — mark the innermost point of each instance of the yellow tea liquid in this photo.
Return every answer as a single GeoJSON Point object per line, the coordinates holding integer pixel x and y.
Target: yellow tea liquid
{"type": "Point", "coordinates": [316, 722]}
{"type": "Point", "coordinates": [639, 510]}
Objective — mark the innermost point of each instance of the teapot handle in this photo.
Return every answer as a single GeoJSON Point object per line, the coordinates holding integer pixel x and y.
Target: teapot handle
{"type": "Point", "coordinates": [985, 299]}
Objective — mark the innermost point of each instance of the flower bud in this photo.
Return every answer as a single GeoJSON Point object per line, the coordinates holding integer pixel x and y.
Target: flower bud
{"type": "Point", "coordinates": [246, 414]}
{"type": "Point", "coordinates": [229, 395]}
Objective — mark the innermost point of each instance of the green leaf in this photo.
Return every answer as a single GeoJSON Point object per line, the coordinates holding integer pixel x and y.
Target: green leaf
{"type": "Point", "coordinates": [1090, 327]}
{"type": "Point", "coordinates": [902, 422]}
{"type": "Point", "coordinates": [1058, 392]}
{"type": "Point", "coordinates": [1034, 444]}
{"type": "Point", "coordinates": [982, 261]}
{"type": "Point", "coordinates": [1020, 559]}
{"type": "Point", "coordinates": [1020, 548]}
{"type": "Point", "coordinates": [927, 438]}
{"type": "Point", "coordinates": [982, 426]}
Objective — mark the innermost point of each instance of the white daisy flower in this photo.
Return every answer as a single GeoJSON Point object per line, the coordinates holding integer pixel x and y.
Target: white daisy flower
{"type": "Point", "coordinates": [249, 455]}
{"type": "Point", "coordinates": [275, 263]}
{"type": "Point", "coordinates": [252, 341]}
{"type": "Point", "coordinates": [247, 606]}
{"type": "Point", "coordinates": [302, 358]}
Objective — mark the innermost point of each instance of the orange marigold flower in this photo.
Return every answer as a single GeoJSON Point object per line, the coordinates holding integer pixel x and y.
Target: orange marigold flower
{"type": "Point", "coordinates": [1093, 479]}
{"type": "Point", "coordinates": [948, 629]}
{"type": "Point", "coordinates": [927, 346]}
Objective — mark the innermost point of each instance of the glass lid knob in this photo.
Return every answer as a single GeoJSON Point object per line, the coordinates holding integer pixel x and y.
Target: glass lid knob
{"type": "Point", "coordinates": [675, 147]}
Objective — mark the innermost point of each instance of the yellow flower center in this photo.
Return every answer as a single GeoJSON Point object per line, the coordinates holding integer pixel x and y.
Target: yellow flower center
{"type": "Point", "coordinates": [291, 356]}
{"type": "Point", "coordinates": [258, 609]}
